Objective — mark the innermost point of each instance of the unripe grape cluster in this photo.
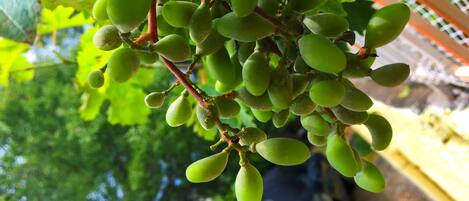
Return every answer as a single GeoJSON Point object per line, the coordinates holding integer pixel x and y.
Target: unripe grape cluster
{"type": "Point", "coordinates": [273, 57]}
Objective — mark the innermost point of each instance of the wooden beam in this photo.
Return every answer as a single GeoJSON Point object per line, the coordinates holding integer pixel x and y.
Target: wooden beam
{"type": "Point", "coordinates": [432, 33]}
{"type": "Point", "coordinates": [450, 13]}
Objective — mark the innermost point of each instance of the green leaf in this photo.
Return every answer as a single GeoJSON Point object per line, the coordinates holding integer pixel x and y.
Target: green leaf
{"type": "Point", "coordinates": [12, 58]}
{"type": "Point", "coordinates": [21, 76]}
{"type": "Point", "coordinates": [127, 105]}
{"type": "Point", "coordinates": [91, 102]}
{"type": "Point", "coordinates": [18, 19]}
{"type": "Point", "coordinates": [333, 6]}
{"type": "Point", "coordinates": [60, 18]}
{"type": "Point", "coordinates": [359, 13]}
{"type": "Point", "coordinates": [76, 4]}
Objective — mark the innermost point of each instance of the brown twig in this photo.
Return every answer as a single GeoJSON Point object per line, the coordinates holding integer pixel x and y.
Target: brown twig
{"type": "Point", "coordinates": [279, 25]}
{"type": "Point", "coordinates": [152, 33]}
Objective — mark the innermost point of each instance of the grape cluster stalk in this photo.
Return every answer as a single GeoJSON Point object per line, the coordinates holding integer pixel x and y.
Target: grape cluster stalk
{"type": "Point", "coordinates": [276, 57]}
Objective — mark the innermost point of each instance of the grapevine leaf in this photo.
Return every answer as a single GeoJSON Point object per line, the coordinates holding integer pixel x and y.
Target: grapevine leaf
{"type": "Point", "coordinates": [18, 19]}
{"type": "Point", "coordinates": [60, 18]}
{"type": "Point", "coordinates": [22, 76]}
{"type": "Point", "coordinates": [91, 102]}
{"type": "Point", "coordinates": [127, 105]}
{"type": "Point", "coordinates": [76, 4]}
{"type": "Point", "coordinates": [12, 58]}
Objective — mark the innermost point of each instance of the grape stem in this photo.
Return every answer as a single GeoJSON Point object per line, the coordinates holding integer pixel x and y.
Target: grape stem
{"type": "Point", "coordinates": [152, 26]}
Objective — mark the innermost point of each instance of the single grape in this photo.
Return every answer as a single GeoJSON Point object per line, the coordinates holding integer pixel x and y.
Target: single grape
{"type": "Point", "coordinates": [326, 24]}
{"type": "Point", "coordinates": [227, 108]}
{"type": "Point", "coordinates": [244, 51]}
{"type": "Point", "coordinates": [358, 159]}
{"type": "Point", "coordinates": [391, 75]}
{"type": "Point", "coordinates": [179, 112]}
{"type": "Point", "coordinates": [280, 118]}
{"type": "Point", "coordinates": [107, 38]}
{"type": "Point", "coordinates": [340, 156]}
{"type": "Point", "coordinates": [164, 28]}
{"type": "Point", "coordinates": [269, 6]}
{"type": "Point", "coordinates": [251, 135]}
{"type": "Point", "coordinates": [166, 47]}
{"type": "Point", "coordinates": [243, 8]}
{"type": "Point", "coordinates": [224, 87]}
{"type": "Point", "coordinates": [280, 88]}
{"type": "Point", "coordinates": [207, 169]}
{"type": "Point", "coordinates": [327, 93]}
{"type": "Point", "coordinates": [349, 117]}
{"type": "Point", "coordinates": [96, 79]}
{"type": "Point", "coordinates": [155, 99]}
{"type": "Point", "coordinates": [212, 43]}
{"type": "Point", "coordinates": [315, 124]}
{"type": "Point", "coordinates": [386, 24]}
{"type": "Point", "coordinates": [380, 130]}
{"type": "Point", "coordinates": [256, 73]}
{"type": "Point", "coordinates": [99, 10]}
{"type": "Point", "coordinates": [283, 151]}
{"type": "Point", "coordinates": [122, 64]}
{"type": "Point", "coordinates": [244, 29]}
{"type": "Point", "coordinates": [248, 185]}
{"type": "Point", "coordinates": [314, 50]}
{"type": "Point", "coordinates": [300, 83]}
{"type": "Point", "coordinates": [360, 145]}
{"type": "Point", "coordinates": [262, 116]}
{"type": "Point", "coordinates": [200, 24]}
{"type": "Point", "coordinates": [356, 100]}
{"type": "Point", "coordinates": [219, 66]}
{"type": "Point", "coordinates": [357, 67]}
{"type": "Point", "coordinates": [300, 66]}
{"type": "Point", "coordinates": [257, 102]}
{"type": "Point", "coordinates": [178, 13]}
{"type": "Point", "coordinates": [127, 15]}
{"type": "Point", "coordinates": [370, 178]}
{"type": "Point", "coordinates": [148, 57]}
{"type": "Point", "coordinates": [317, 140]}
{"type": "Point", "coordinates": [302, 105]}
{"type": "Point", "coordinates": [205, 121]}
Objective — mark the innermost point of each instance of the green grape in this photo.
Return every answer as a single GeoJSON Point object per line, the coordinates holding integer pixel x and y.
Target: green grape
{"type": "Point", "coordinates": [212, 43]}
{"type": "Point", "coordinates": [220, 67]}
{"type": "Point", "coordinates": [269, 6]}
{"type": "Point", "coordinates": [327, 117]}
{"type": "Point", "coordinates": [164, 28]}
{"type": "Point", "coordinates": [223, 87]}
{"type": "Point", "coordinates": [244, 51]}
{"type": "Point", "coordinates": [96, 79]}
{"type": "Point", "coordinates": [166, 47]}
{"type": "Point", "coordinates": [227, 108]}
{"type": "Point", "coordinates": [122, 64]}
{"type": "Point", "coordinates": [358, 159]}
{"type": "Point", "coordinates": [300, 83]}
{"type": "Point", "coordinates": [262, 116]}
{"type": "Point", "coordinates": [244, 29]}
{"type": "Point", "coordinates": [127, 15]}
{"type": "Point", "coordinates": [107, 38]}
{"type": "Point", "coordinates": [283, 151]}
{"type": "Point", "coordinates": [200, 24]}
{"type": "Point", "coordinates": [155, 99]}
{"type": "Point", "coordinates": [248, 185]}
{"type": "Point", "coordinates": [327, 93]}
{"type": "Point", "coordinates": [280, 118]}
{"type": "Point", "coordinates": [356, 100]}
{"type": "Point", "coordinates": [179, 112]}
{"type": "Point", "coordinates": [326, 24]}
{"type": "Point", "coordinates": [300, 66]}
{"type": "Point", "coordinates": [317, 140]}
{"type": "Point", "coordinates": [251, 135]}
{"type": "Point", "coordinates": [315, 124]}
{"type": "Point", "coordinates": [380, 130]}
{"type": "Point", "coordinates": [280, 88]}
{"type": "Point", "coordinates": [99, 10]}
{"type": "Point", "coordinates": [257, 102]}
{"type": "Point", "coordinates": [205, 121]}
{"type": "Point", "coordinates": [243, 8]}
{"type": "Point", "coordinates": [349, 117]}
{"type": "Point", "coordinates": [315, 48]}
{"type": "Point", "coordinates": [148, 57]}
{"type": "Point", "coordinates": [207, 169]}
{"type": "Point", "coordinates": [386, 24]}
{"type": "Point", "coordinates": [178, 13]}
{"type": "Point", "coordinates": [391, 75]}
{"type": "Point", "coordinates": [305, 5]}
{"type": "Point", "coordinates": [340, 156]}
{"type": "Point", "coordinates": [256, 73]}
{"type": "Point", "coordinates": [302, 105]}
{"type": "Point", "coordinates": [370, 178]}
